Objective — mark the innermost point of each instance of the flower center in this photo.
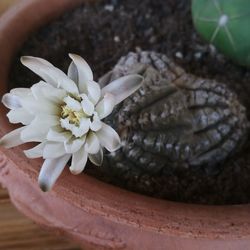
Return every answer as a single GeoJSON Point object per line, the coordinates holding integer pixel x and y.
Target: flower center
{"type": "Point", "coordinates": [73, 116]}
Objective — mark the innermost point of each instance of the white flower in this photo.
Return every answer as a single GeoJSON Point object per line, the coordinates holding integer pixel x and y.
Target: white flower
{"type": "Point", "coordinates": [63, 113]}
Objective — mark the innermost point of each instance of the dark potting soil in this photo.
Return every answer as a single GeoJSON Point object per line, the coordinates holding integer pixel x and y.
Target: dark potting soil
{"type": "Point", "coordinates": [104, 32]}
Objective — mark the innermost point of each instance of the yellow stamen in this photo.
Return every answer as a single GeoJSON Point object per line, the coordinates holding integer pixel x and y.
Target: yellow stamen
{"type": "Point", "coordinates": [73, 116]}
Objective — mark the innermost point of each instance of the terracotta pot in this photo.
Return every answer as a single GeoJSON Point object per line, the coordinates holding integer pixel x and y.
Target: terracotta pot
{"type": "Point", "coordinates": [95, 214]}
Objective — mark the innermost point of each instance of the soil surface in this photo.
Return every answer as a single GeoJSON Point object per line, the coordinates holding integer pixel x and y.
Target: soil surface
{"type": "Point", "coordinates": [104, 32]}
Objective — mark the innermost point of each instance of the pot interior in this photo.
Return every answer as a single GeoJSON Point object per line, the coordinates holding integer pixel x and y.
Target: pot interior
{"type": "Point", "coordinates": [105, 31]}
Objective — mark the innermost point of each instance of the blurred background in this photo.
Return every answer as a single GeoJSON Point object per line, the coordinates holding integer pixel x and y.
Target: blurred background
{"type": "Point", "coordinates": [16, 231]}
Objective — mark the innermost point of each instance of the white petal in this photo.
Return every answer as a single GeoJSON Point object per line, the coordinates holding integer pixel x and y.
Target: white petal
{"type": "Point", "coordinates": [47, 91]}
{"type": "Point", "coordinates": [84, 125]}
{"type": "Point", "coordinates": [84, 72]}
{"type": "Point", "coordinates": [73, 72]}
{"type": "Point", "coordinates": [109, 138]}
{"type": "Point", "coordinates": [79, 161]}
{"type": "Point", "coordinates": [20, 115]}
{"type": "Point", "coordinates": [72, 103]}
{"type": "Point", "coordinates": [54, 95]}
{"type": "Point", "coordinates": [37, 65]}
{"type": "Point", "coordinates": [87, 105]}
{"type": "Point", "coordinates": [58, 135]}
{"type": "Point", "coordinates": [76, 131]}
{"type": "Point", "coordinates": [74, 145]}
{"type": "Point", "coordinates": [12, 139]}
{"type": "Point", "coordinates": [96, 124]}
{"type": "Point", "coordinates": [35, 152]}
{"type": "Point", "coordinates": [92, 144]}
{"type": "Point", "coordinates": [38, 129]}
{"type": "Point", "coordinates": [50, 171]}
{"type": "Point", "coordinates": [37, 89]}
{"type": "Point", "coordinates": [53, 150]}
{"type": "Point", "coordinates": [123, 87]}
{"type": "Point", "coordinates": [105, 106]}
{"type": "Point", "coordinates": [97, 159]}
{"type": "Point", "coordinates": [93, 91]}
{"type": "Point", "coordinates": [68, 85]}
{"type": "Point", "coordinates": [11, 101]}
{"type": "Point", "coordinates": [21, 92]}
{"type": "Point", "coordinates": [66, 124]}
{"type": "Point", "coordinates": [49, 73]}
{"type": "Point", "coordinates": [40, 106]}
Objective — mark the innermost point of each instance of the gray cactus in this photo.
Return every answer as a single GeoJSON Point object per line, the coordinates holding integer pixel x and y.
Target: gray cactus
{"type": "Point", "coordinates": [175, 120]}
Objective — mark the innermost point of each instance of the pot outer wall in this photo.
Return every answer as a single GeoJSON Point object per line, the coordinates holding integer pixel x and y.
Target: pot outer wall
{"type": "Point", "coordinates": [93, 213]}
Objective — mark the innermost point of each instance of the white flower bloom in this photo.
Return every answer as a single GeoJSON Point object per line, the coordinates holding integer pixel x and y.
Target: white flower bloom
{"type": "Point", "coordinates": [63, 113]}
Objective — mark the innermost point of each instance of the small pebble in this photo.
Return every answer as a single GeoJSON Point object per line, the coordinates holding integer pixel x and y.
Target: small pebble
{"type": "Point", "coordinates": [117, 39]}
{"type": "Point", "coordinates": [198, 55]}
{"type": "Point", "coordinates": [179, 55]}
{"type": "Point", "coordinates": [152, 39]}
{"type": "Point", "coordinates": [109, 7]}
{"type": "Point", "coordinates": [138, 49]}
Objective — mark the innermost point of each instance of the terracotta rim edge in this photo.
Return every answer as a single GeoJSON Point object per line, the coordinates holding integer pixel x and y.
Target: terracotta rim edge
{"type": "Point", "coordinates": [93, 231]}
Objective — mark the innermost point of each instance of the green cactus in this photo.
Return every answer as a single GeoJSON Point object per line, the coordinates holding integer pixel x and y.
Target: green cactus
{"type": "Point", "coordinates": [225, 24]}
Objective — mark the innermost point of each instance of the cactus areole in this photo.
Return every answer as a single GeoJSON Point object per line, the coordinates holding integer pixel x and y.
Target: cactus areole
{"type": "Point", "coordinates": [225, 24]}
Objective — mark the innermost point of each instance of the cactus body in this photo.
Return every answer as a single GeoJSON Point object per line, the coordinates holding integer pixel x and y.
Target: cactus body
{"type": "Point", "coordinates": [176, 120]}
{"type": "Point", "coordinates": [225, 23]}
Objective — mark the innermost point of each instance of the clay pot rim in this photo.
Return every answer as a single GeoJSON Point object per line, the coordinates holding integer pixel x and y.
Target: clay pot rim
{"type": "Point", "coordinates": [110, 202]}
